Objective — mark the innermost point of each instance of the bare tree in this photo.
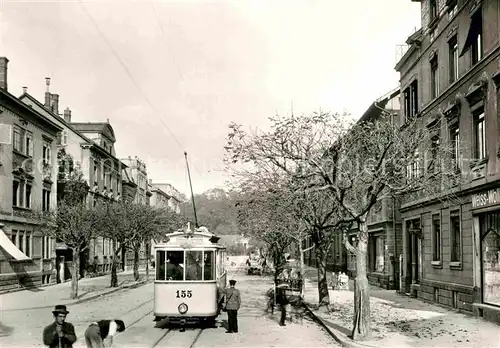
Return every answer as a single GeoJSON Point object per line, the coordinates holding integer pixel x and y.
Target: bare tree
{"type": "Point", "coordinates": [74, 223]}
{"type": "Point", "coordinates": [356, 165]}
{"type": "Point", "coordinates": [280, 156]}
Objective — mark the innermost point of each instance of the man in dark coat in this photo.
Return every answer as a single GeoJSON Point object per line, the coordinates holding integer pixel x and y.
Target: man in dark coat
{"type": "Point", "coordinates": [59, 334]}
{"type": "Point", "coordinates": [233, 303]}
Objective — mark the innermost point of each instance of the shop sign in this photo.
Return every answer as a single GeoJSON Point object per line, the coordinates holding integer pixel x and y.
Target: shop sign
{"type": "Point", "coordinates": [486, 198]}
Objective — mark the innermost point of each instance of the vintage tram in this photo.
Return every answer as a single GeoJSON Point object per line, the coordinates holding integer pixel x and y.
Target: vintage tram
{"type": "Point", "coordinates": [191, 277]}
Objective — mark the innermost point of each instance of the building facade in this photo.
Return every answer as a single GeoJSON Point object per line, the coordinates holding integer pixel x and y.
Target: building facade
{"type": "Point", "coordinates": [450, 74]}
{"type": "Point", "coordinates": [166, 195]}
{"type": "Point", "coordinates": [28, 172]}
{"type": "Point", "coordinates": [91, 148]}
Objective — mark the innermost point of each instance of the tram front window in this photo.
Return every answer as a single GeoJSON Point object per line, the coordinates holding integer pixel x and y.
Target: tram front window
{"type": "Point", "coordinates": [193, 265]}
{"type": "Point", "coordinates": [174, 265]}
{"type": "Point", "coordinates": [209, 265]}
{"type": "Point", "coordinates": [160, 265]}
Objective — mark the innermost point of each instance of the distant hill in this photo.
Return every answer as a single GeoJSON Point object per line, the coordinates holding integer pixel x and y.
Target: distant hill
{"type": "Point", "coordinates": [215, 209]}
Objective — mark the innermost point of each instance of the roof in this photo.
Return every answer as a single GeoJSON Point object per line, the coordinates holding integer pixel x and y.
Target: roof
{"type": "Point", "coordinates": [98, 127]}
{"type": "Point", "coordinates": [16, 101]}
{"type": "Point", "coordinates": [59, 118]}
{"type": "Point", "coordinates": [376, 108]}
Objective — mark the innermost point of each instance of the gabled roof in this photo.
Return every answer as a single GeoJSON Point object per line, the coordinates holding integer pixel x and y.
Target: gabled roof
{"type": "Point", "coordinates": [5, 95]}
{"type": "Point", "coordinates": [95, 127]}
{"type": "Point", "coordinates": [59, 118]}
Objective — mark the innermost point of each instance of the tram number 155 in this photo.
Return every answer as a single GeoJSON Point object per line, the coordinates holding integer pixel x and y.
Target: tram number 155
{"type": "Point", "coordinates": [184, 293]}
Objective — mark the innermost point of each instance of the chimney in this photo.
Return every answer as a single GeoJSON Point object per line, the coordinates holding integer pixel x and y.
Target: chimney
{"type": "Point", "coordinates": [47, 93]}
{"type": "Point", "coordinates": [67, 115]}
{"type": "Point", "coordinates": [25, 90]}
{"type": "Point", "coordinates": [3, 72]}
{"type": "Point", "coordinates": [55, 104]}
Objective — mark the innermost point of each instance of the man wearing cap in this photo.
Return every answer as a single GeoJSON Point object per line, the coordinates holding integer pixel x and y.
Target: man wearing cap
{"type": "Point", "coordinates": [233, 302]}
{"type": "Point", "coordinates": [59, 334]}
{"type": "Point", "coordinates": [102, 330]}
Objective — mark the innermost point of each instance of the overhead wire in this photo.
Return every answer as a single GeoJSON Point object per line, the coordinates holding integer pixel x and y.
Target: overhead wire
{"type": "Point", "coordinates": [131, 77]}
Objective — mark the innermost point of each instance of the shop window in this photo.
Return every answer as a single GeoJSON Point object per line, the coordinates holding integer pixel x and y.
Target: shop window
{"type": "Point", "coordinates": [490, 255]}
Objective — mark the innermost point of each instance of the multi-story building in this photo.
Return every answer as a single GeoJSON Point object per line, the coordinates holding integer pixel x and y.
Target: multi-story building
{"type": "Point", "coordinates": [91, 147]}
{"type": "Point", "coordinates": [166, 195]}
{"type": "Point", "coordinates": [451, 74]}
{"type": "Point", "coordinates": [28, 171]}
{"type": "Point", "coordinates": [137, 172]}
{"type": "Point", "coordinates": [384, 224]}
{"type": "Point", "coordinates": [138, 192]}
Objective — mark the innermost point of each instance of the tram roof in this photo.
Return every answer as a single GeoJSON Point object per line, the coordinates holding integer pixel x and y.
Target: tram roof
{"type": "Point", "coordinates": [200, 237]}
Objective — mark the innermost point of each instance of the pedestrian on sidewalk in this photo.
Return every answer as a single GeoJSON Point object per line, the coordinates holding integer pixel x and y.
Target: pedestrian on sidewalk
{"type": "Point", "coordinates": [103, 330]}
{"type": "Point", "coordinates": [282, 300]}
{"type": "Point", "coordinates": [233, 303]}
{"type": "Point", "coordinates": [59, 334]}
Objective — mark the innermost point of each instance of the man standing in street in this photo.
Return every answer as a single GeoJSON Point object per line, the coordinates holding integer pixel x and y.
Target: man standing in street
{"type": "Point", "coordinates": [233, 303]}
{"type": "Point", "coordinates": [59, 334]}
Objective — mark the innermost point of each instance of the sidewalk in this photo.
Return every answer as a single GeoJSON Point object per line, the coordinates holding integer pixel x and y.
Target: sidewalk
{"type": "Point", "coordinates": [88, 289]}
{"type": "Point", "coordinates": [400, 321]}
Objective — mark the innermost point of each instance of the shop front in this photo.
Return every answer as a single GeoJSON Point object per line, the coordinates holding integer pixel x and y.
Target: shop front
{"type": "Point", "coordinates": [486, 217]}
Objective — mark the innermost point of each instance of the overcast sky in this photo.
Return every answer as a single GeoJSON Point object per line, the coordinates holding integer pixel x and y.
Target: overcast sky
{"type": "Point", "coordinates": [171, 75]}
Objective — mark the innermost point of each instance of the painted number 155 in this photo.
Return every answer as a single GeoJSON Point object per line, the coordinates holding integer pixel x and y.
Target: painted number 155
{"type": "Point", "coordinates": [184, 293]}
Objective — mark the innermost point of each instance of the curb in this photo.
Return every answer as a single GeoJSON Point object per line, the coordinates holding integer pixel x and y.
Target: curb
{"type": "Point", "coordinates": [337, 335]}
{"type": "Point", "coordinates": [90, 298]}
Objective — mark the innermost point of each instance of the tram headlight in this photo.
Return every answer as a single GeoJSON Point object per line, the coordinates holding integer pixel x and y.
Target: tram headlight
{"type": "Point", "coordinates": [183, 308]}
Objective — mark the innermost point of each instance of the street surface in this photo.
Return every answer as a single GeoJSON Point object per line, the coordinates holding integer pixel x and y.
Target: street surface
{"type": "Point", "coordinates": [134, 306]}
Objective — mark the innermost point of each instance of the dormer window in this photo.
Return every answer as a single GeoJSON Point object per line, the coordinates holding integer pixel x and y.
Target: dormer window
{"type": "Point", "coordinates": [433, 9]}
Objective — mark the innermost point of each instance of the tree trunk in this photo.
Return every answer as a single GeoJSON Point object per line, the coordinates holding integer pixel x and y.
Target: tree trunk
{"type": "Point", "coordinates": [136, 262]}
{"type": "Point", "coordinates": [148, 260]}
{"type": "Point", "coordinates": [302, 270]}
{"type": "Point", "coordinates": [361, 322]}
{"type": "Point", "coordinates": [324, 296]}
{"type": "Point", "coordinates": [75, 273]}
{"type": "Point", "coordinates": [114, 266]}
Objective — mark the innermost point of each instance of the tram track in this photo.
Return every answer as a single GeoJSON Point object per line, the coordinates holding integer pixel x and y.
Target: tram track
{"type": "Point", "coordinates": [170, 336]}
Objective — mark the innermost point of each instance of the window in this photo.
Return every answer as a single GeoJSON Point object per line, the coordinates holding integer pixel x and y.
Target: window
{"type": "Point", "coordinates": [379, 254]}
{"type": "Point", "coordinates": [433, 9]}
{"type": "Point", "coordinates": [193, 265]}
{"type": "Point", "coordinates": [475, 37]}
{"type": "Point", "coordinates": [13, 237]}
{"type": "Point", "coordinates": [27, 250]}
{"type": "Point", "coordinates": [20, 235]}
{"type": "Point", "coordinates": [434, 77]}
{"type": "Point", "coordinates": [64, 138]}
{"type": "Point", "coordinates": [413, 168]}
{"type": "Point", "coordinates": [45, 199]}
{"type": "Point", "coordinates": [15, 192]}
{"type": "Point", "coordinates": [455, 139]}
{"type": "Point", "coordinates": [434, 152]}
{"type": "Point", "coordinates": [95, 171]}
{"type": "Point", "coordinates": [46, 244]}
{"type": "Point", "coordinates": [27, 196]}
{"type": "Point", "coordinates": [18, 145]}
{"type": "Point", "coordinates": [436, 238]}
{"type": "Point", "coordinates": [453, 57]}
{"type": "Point", "coordinates": [452, 9]}
{"type": "Point", "coordinates": [208, 265]}
{"type": "Point", "coordinates": [455, 237]}
{"type": "Point", "coordinates": [46, 154]}
{"type": "Point", "coordinates": [174, 265]}
{"type": "Point", "coordinates": [479, 136]}
{"type": "Point", "coordinates": [29, 144]}
{"type": "Point", "coordinates": [410, 95]}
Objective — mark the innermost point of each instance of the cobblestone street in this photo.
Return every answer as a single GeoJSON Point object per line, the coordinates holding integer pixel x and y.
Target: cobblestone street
{"type": "Point", "coordinates": [134, 306]}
